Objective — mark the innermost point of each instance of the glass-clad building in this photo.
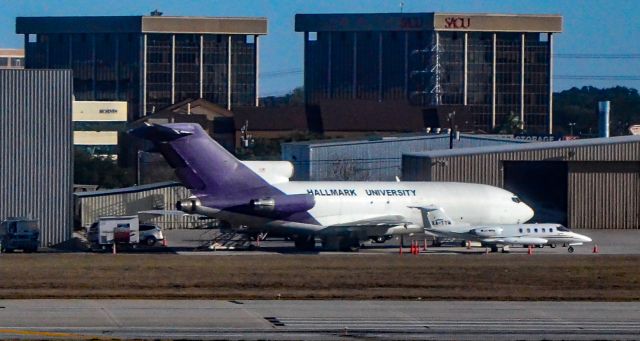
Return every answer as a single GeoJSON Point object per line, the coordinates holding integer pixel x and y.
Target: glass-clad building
{"type": "Point", "coordinates": [490, 68]}
{"type": "Point", "coordinates": [150, 62]}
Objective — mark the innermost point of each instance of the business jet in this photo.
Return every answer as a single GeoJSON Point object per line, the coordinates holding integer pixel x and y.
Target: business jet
{"type": "Point", "coordinates": [258, 196]}
{"type": "Point", "coordinates": [437, 222]}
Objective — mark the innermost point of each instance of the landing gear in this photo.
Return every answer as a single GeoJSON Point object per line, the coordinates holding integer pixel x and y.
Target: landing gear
{"type": "Point", "coordinates": [553, 246]}
{"type": "Point", "coordinates": [341, 243]}
{"type": "Point", "coordinates": [494, 248]}
{"type": "Point", "coordinates": [305, 243]}
{"type": "Point", "coordinates": [570, 249]}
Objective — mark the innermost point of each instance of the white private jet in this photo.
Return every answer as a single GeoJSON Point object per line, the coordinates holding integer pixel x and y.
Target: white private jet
{"type": "Point", "coordinates": [437, 223]}
{"type": "Point", "coordinates": [258, 196]}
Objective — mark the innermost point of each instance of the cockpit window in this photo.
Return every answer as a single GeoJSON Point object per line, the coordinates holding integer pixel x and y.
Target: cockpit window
{"type": "Point", "coordinates": [516, 200]}
{"type": "Point", "coordinates": [562, 228]}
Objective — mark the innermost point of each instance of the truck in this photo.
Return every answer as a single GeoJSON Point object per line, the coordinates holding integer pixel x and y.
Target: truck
{"type": "Point", "coordinates": [19, 233]}
{"type": "Point", "coordinates": [120, 230]}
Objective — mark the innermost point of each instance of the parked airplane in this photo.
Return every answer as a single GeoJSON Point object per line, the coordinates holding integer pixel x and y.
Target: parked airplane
{"type": "Point", "coordinates": [259, 195]}
{"type": "Point", "coordinates": [436, 222]}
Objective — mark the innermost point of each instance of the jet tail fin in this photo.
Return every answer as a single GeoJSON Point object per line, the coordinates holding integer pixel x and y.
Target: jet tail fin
{"type": "Point", "coordinates": [434, 217]}
{"type": "Point", "coordinates": [202, 164]}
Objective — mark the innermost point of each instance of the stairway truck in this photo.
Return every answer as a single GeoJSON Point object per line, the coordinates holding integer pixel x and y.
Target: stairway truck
{"type": "Point", "coordinates": [19, 234]}
{"type": "Point", "coordinates": [121, 230]}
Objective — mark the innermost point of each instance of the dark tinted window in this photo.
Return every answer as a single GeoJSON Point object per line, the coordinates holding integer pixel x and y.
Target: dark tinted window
{"type": "Point", "coordinates": [146, 227]}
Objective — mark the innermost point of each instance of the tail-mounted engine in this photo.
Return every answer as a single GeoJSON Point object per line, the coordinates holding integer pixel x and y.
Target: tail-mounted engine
{"type": "Point", "coordinates": [283, 204]}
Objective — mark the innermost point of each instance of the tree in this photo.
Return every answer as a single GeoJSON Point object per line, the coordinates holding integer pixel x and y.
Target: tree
{"type": "Point", "coordinates": [89, 170]}
{"type": "Point", "coordinates": [580, 106]}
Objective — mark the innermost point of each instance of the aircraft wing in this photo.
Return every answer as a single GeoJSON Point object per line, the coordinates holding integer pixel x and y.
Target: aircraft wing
{"type": "Point", "coordinates": [375, 226]}
{"type": "Point", "coordinates": [516, 240]}
{"type": "Point", "coordinates": [168, 213]}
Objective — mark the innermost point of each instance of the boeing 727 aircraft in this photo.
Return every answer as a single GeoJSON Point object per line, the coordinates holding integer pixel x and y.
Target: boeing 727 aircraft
{"type": "Point", "coordinates": [258, 195]}
{"type": "Point", "coordinates": [438, 223]}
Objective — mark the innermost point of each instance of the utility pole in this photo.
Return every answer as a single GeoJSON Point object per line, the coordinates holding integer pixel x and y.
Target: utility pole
{"type": "Point", "coordinates": [451, 116]}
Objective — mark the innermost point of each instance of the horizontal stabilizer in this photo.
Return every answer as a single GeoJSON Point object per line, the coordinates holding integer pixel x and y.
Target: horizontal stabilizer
{"type": "Point", "coordinates": [158, 133]}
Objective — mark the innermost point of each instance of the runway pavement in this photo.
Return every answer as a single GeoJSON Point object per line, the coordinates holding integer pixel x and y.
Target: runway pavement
{"type": "Point", "coordinates": [166, 319]}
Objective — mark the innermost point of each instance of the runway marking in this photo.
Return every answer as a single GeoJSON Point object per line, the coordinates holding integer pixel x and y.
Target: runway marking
{"type": "Point", "coordinates": [50, 334]}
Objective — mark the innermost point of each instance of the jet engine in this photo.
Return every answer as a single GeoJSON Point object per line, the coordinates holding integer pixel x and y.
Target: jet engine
{"type": "Point", "coordinates": [487, 231]}
{"type": "Point", "coordinates": [188, 205]}
{"type": "Point", "coordinates": [283, 204]}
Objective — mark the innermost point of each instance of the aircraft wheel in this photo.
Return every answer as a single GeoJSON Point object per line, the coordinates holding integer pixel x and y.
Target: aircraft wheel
{"type": "Point", "coordinates": [494, 248]}
{"type": "Point", "coordinates": [553, 246]}
{"type": "Point", "coordinates": [570, 249]}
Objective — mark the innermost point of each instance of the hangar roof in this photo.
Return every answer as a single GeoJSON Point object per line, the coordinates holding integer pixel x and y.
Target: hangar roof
{"type": "Point", "coordinates": [528, 146]}
{"type": "Point", "coordinates": [132, 189]}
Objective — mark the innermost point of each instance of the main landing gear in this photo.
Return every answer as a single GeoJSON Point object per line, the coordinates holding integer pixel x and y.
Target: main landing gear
{"type": "Point", "coordinates": [570, 249]}
{"type": "Point", "coordinates": [305, 243]}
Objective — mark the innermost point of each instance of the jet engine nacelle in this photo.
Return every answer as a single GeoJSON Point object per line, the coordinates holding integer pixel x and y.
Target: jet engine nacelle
{"type": "Point", "coordinates": [188, 205]}
{"type": "Point", "coordinates": [487, 231]}
{"type": "Point", "coordinates": [284, 204]}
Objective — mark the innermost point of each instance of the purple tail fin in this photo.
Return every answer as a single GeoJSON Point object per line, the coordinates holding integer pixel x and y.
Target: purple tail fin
{"type": "Point", "coordinates": [202, 164]}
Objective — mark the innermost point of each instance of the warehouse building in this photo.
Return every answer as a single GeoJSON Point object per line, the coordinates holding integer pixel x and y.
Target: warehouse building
{"type": "Point", "coordinates": [373, 159]}
{"type": "Point", "coordinates": [90, 206]}
{"type": "Point", "coordinates": [11, 59]}
{"type": "Point", "coordinates": [483, 67]}
{"type": "Point", "coordinates": [150, 61]}
{"type": "Point", "coordinates": [36, 160]}
{"type": "Point", "coordinates": [592, 183]}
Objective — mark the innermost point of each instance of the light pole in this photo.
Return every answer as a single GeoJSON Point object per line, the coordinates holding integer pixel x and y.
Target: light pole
{"type": "Point", "coordinates": [571, 125]}
{"type": "Point", "coordinates": [451, 116]}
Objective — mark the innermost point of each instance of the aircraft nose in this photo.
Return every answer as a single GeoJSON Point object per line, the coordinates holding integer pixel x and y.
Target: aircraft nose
{"type": "Point", "coordinates": [585, 238]}
{"type": "Point", "coordinates": [527, 212]}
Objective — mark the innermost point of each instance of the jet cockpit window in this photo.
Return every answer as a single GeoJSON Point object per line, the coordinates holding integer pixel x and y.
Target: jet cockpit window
{"type": "Point", "coordinates": [516, 199]}
{"type": "Point", "coordinates": [562, 228]}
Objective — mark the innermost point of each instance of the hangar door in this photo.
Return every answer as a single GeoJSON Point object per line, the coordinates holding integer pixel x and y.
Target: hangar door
{"type": "Point", "coordinates": [604, 195]}
{"type": "Point", "coordinates": [540, 184]}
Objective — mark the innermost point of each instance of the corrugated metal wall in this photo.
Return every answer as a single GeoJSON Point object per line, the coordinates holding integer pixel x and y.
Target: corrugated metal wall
{"type": "Point", "coordinates": [600, 195]}
{"type": "Point", "coordinates": [93, 206]}
{"type": "Point", "coordinates": [604, 195]}
{"type": "Point", "coordinates": [36, 149]}
{"type": "Point", "coordinates": [375, 160]}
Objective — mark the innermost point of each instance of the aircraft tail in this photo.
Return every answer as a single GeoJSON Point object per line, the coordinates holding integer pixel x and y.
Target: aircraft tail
{"type": "Point", "coordinates": [203, 165]}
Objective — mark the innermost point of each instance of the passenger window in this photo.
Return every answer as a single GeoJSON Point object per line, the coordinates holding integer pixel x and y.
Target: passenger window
{"type": "Point", "coordinates": [551, 229]}
{"type": "Point", "coordinates": [543, 230]}
{"type": "Point", "coordinates": [535, 230]}
{"type": "Point", "coordinates": [520, 230]}
{"type": "Point", "coordinates": [528, 230]}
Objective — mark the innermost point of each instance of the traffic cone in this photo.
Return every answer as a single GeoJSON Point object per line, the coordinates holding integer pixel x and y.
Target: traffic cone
{"type": "Point", "coordinates": [165, 243]}
{"type": "Point", "coordinates": [530, 251]}
{"type": "Point", "coordinates": [417, 248]}
{"type": "Point", "coordinates": [596, 249]}
{"type": "Point", "coordinates": [113, 249]}
{"type": "Point", "coordinates": [468, 245]}
{"type": "Point", "coordinates": [400, 247]}
{"type": "Point", "coordinates": [413, 247]}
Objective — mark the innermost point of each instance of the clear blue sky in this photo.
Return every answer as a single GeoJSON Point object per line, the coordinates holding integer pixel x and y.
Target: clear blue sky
{"type": "Point", "coordinates": [590, 26]}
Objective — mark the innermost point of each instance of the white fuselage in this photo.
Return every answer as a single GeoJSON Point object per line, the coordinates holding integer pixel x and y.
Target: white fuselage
{"type": "Point", "coordinates": [516, 234]}
{"type": "Point", "coordinates": [343, 202]}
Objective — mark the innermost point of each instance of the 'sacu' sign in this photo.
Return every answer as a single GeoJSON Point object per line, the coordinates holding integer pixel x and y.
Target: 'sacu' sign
{"type": "Point", "coordinates": [457, 22]}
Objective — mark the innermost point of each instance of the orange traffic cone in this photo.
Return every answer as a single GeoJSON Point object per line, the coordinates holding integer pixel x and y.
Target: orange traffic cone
{"type": "Point", "coordinates": [165, 242]}
{"type": "Point", "coordinates": [596, 249]}
{"type": "Point", "coordinates": [468, 245]}
{"type": "Point", "coordinates": [113, 248]}
{"type": "Point", "coordinates": [530, 251]}
{"type": "Point", "coordinates": [413, 247]}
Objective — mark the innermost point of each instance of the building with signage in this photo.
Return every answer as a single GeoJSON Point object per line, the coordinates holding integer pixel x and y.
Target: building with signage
{"type": "Point", "coordinates": [96, 126]}
{"type": "Point", "coordinates": [488, 69]}
{"type": "Point", "coordinates": [11, 59]}
{"type": "Point", "coordinates": [150, 61]}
